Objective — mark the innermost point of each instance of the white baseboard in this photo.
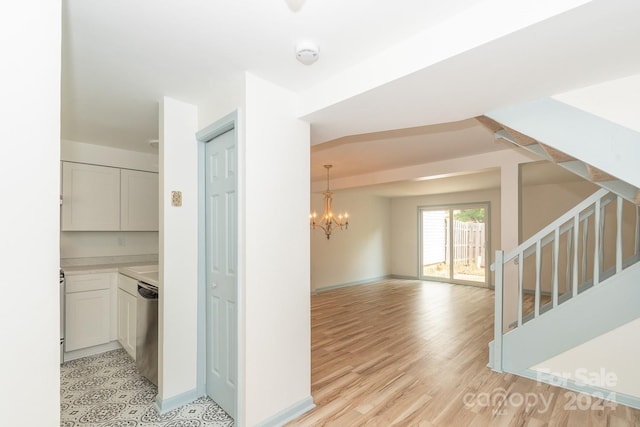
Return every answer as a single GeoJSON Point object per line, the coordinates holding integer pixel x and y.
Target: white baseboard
{"type": "Point", "coordinates": [355, 283]}
{"type": "Point", "coordinates": [166, 405]}
{"type": "Point", "coordinates": [289, 414]}
{"type": "Point", "coordinates": [90, 351]}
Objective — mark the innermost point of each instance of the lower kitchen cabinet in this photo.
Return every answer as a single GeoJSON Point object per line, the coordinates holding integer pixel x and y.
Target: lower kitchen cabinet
{"type": "Point", "coordinates": [89, 309]}
{"type": "Point", "coordinates": [127, 308]}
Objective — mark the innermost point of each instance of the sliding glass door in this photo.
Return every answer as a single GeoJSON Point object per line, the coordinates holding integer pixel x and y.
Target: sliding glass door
{"type": "Point", "coordinates": [453, 243]}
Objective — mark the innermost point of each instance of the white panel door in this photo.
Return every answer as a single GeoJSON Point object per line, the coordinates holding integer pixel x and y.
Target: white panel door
{"type": "Point", "coordinates": [139, 200]}
{"type": "Point", "coordinates": [90, 197]}
{"type": "Point", "coordinates": [221, 265]}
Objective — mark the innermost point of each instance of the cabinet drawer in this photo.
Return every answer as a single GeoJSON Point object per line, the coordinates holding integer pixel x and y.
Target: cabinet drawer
{"type": "Point", "coordinates": [128, 284]}
{"type": "Point", "coordinates": [88, 282]}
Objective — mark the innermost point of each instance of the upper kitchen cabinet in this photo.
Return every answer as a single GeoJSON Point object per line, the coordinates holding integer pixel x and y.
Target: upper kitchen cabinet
{"type": "Point", "coordinates": [101, 198]}
{"type": "Point", "coordinates": [139, 200]}
{"type": "Point", "coordinates": [91, 197]}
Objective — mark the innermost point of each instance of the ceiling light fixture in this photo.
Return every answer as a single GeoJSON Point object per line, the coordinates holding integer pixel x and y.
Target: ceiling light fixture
{"type": "Point", "coordinates": [328, 221]}
{"type": "Point", "coordinates": [307, 52]}
{"type": "Point", "coordinates": [294, 5]}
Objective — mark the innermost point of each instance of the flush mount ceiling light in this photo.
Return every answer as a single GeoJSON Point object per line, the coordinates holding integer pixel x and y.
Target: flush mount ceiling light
{"type": "Point", "coordinates": [328, 221]}
{"type": "Point", "coordinates": [307, 52]}
{"type": "Point", "coordinates": [294, 5]}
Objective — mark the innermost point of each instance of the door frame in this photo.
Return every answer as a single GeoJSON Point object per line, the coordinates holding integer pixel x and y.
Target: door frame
{"type": "Point", "coordinates": [203, 136]}
{"type": "Point", "coordinates": [457, 206]}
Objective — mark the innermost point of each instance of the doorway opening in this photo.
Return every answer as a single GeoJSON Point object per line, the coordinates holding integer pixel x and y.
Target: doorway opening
{"type": "Point", "coordinates": [454, 243]}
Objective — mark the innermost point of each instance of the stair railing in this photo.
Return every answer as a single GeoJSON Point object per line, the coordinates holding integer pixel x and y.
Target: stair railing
{"type": "Point", "coordinates": [569, 223]}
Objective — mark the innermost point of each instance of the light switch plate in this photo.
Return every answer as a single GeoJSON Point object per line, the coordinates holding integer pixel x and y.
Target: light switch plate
{"type": "Point", "coordinates": [176, 198]}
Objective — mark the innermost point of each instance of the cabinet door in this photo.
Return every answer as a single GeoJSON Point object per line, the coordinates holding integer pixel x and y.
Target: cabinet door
{"type": "Point", "coordinates": [88, 319]}
{"type": "Point", "coordinates": [127, 322]}
{"type": "Point", "coordinates": [139, 198]}
{"type": "Point", "coordinates": [90, 197]}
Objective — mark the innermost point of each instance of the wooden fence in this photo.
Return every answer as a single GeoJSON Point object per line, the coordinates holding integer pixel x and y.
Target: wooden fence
{"type": "Point", "coordinates": [468, 243]}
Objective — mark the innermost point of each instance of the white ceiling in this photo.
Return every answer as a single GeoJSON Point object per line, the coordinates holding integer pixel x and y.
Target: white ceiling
{"type": "Point", "coordinates": [120, 57]}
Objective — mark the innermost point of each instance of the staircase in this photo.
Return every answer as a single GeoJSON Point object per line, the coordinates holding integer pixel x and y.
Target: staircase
{"type": "Point", "coordinates": [579, 277]}
{"type": "Point", "coordinates": [580, 142]}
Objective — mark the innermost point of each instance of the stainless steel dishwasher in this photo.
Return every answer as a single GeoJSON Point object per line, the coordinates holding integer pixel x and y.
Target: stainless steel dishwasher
{"type": "Point", "coordinates": [147, 331]}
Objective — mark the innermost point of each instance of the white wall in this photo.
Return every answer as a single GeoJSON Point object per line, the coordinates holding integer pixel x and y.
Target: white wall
{"type": "Point", "coordinates": [30, 39]}
{"type": "Point", "coordinates": [404, 225]}
{"type": "Point", "coordinates": [178, 309]}
{"type": "Point", "coordinates": [275, 200]}
{"type": "Point", "coordinates": [474, 26]}
{"type": "Point", "coordinates": [89, 244]}
{"type": "Point", "coordinates": [542, 204]}
{"type": "Point", "coordinates": [82, 152]}
{"type": "Point", "coordinates": [614, 353]}
{"type": "Point", "coordinates": [98, 244]}
{"type": "Point", "coordinates": [224, 97]}
{"type": "Point", "coordinates": [360, 253]}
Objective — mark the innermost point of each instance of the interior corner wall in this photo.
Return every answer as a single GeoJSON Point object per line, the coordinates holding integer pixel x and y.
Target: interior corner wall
{"type": "Point", "coordinates": [30, 39]}
{"type": "Point", "coordinates": [223, 97]}
{"type": "Point", "coordinates": [404, 225]}
{"type": "Point", "coordinates": [178, 258]}
{"type": "Point", "coordinates": [361, 253]}
{"type": "Point", "coordinates": [542, 204]}
{"type": "Point", "coordinates": [277, 361]}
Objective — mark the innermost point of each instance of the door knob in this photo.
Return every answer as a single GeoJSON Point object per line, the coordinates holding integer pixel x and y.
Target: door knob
{"type": "Point", "coordinates": [214, 285]}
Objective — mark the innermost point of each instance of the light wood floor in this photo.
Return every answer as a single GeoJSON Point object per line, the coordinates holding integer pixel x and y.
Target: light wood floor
{"type": "Point", "coordinates": [412, 353]}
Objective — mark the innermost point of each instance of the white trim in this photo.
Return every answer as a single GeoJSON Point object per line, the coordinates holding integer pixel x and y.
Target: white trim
{"type": "Point", "coordinates": [166, 405]}
{"type": "Point", "coordinates": [289, 414]}
{"type": "Point", "coordinates": [347, 284]}
{"type": "Point", "coordinates": [91, 351]}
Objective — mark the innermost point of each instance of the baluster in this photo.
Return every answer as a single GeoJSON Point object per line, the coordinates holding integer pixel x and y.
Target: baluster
{"type": "Point", "coordinates": [597, 262]}
{"type": "Point", "coordinates": [637, 251]}
{"type": "Point", "coordinates": [619, 207]}
{"type": "Point", "coordinates": [585, 240]}
{"type": "Point", "coordinates": [536, 309]}
{"type": "Point", "coordinates": [497, 321]}
{"type": "Point", "coordinates": [520, 286]}
{"type": "Point", "coordinates": [576, 229]}
{"type": "Point", "coordinates": [556, 249]}
{"type": "Point", "coordinates": [569, 259]}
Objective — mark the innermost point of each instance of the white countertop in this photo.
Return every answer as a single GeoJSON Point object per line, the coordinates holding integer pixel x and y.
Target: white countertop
{"type": "Point", "coordinates": [144, 272]}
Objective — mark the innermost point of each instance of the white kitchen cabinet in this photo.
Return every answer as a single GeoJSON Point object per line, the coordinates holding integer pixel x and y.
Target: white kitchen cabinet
{"type": "Point", "coordinates": [89, 310]}
{"type": "Point", "coordinates": [139, 200]}
{"type": "Point", "coordinates": [91, 197]}
{"type": "Point", "coordinates": [127, 309]}
{"type": "Point", "coordinates": [102, 198]}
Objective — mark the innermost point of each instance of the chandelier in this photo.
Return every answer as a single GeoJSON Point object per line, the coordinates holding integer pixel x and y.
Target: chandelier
{"type": "Point", "coordinates": [328, 221]}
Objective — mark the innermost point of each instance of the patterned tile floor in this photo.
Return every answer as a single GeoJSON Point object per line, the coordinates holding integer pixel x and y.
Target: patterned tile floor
{"type": "Point", "coordinates": [106, 390]}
